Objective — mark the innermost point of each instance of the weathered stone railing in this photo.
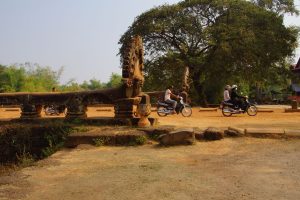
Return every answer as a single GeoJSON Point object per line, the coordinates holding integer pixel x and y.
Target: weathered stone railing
{"type": "Point", "coordinates": [76, 102]}
{"type": "Point", "coordinates": [127, 99]}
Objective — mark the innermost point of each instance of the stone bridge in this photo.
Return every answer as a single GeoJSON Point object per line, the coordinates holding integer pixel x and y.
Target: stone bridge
{"type": "Point", "coordinates": [126, 98]}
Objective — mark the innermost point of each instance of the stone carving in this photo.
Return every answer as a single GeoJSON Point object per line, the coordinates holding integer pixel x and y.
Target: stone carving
{"type": "Point", "coordinates": [126, 98]}
{"type": "Point", "coordinates": [133, 79]}
{"type": "Point", "coordinates": [133, 65]}
{"type": "Point", "coordinates": [76, 107]}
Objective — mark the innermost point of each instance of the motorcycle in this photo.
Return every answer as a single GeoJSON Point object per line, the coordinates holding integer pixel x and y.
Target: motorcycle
{"type": "Point", "coordinates": [164, 109]}
{"type": "Point", "coordinates": [54, 110]}
{"type": "Point", "coordinates": [229, 109]}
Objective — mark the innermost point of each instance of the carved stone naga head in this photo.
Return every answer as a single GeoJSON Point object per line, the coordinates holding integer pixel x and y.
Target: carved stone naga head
{"type": "Point", "coordinates": [133, 65]}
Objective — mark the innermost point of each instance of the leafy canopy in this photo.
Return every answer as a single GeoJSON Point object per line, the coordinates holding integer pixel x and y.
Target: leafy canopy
{"type": "Point", "coordinates": [215, 39]}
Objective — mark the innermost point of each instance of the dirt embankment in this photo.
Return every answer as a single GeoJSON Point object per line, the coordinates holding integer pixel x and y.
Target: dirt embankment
{"type": "Point", "coordinates": [243, 168]}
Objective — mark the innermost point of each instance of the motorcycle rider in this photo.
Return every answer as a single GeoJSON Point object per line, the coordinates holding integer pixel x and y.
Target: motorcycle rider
{"type": "Point", "coordinates": [227, 93]}
{"type": "Point", "coordinates": [235, 98]}
{"type": "Point", "coordinates": [168, 95]}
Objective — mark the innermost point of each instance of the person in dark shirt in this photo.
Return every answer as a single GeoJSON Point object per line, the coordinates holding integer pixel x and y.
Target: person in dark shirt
{"type": "Point", "coordinates": [236, 99]}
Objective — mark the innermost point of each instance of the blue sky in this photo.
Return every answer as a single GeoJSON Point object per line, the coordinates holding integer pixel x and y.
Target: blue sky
{"type": "Point", "coordinates": [82, 36]}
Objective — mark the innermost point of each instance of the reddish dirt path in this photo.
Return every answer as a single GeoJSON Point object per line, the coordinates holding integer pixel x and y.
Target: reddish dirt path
{"type": "Point", "coordinates": [277, 119]}
{"type": "Point", "coordinates": [203, 119]}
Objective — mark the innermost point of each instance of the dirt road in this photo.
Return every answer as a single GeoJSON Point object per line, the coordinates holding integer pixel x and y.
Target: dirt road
{"type": "Point", "coordinates": [276, 119]}
{"type": "Point", "coordinates": [241, 168]}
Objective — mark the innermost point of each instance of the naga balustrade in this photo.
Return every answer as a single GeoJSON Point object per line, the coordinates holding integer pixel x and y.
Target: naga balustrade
{"type": "Point", "coordinates": [125, 98]}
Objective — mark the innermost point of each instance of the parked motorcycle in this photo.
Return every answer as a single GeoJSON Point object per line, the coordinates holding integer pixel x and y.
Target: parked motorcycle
{"type": "Point", "coordinates": [54, 110]}
{"type": "Point", "coordinates": [164, 109]}
{"type": "Point", "coordinates": [229, 109]}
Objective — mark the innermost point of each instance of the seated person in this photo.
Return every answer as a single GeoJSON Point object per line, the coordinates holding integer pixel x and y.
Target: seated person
{"type": "Point", "coordinates": [168, 99]}
{"type": "Point", "coordinates": [236, 99]}
{"type": "Point", "coordinates": [227, 94]}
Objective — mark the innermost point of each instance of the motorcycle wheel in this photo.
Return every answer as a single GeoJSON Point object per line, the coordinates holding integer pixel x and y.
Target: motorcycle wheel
{"type": "Point", "coordinates": [252, 110]}
{"type": "Point", "coordinates": [186, 111]}
{"type": "Point", "coordinates": [161, 111]}
{"type": "Point", "coordinates": [226, 111]}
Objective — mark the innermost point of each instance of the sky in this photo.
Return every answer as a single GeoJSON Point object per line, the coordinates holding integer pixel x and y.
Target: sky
{"type": "Point", "coordinates": [79, 35]}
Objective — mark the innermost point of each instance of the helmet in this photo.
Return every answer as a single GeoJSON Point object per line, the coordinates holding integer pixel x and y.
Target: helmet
{"type": "Point", "coordinates": [234, 87]}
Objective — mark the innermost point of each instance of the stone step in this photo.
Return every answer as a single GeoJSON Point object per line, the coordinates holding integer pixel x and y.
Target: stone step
{"type": "Point", "coordinates": [290, 110]}
{"type": "Point", "coordinates": [265, 110]}
{"type": "Point", "coordinates": [208, 109]}
{"type": "Point", "coordinates": [270, 133]}
{"type": "Point", "coordinates": [107, 136]}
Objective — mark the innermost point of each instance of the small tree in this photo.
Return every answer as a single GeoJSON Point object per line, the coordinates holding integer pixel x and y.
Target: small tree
{"type": "Point", "coordinates": [114, 81]}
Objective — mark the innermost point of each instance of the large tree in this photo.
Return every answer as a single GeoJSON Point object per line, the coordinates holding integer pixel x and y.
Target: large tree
{"type": "Point", "coordinates": [214, 40]}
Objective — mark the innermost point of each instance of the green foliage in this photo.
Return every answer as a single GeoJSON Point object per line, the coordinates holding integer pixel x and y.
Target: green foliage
{"type": "Point", "coordinates": [23, 143]}
{"type": "Point", "coordinates": [98, 142]}
{"type": "Point", "coordinates": [115, 81]}
{"type": "Point", "coordinates": [93, 84]}
{"type": "Point", "coordinates": [158, 77]}
{"type": "Point", "coordinates": [81, 129]}
{"type": "Point", "coordinates": [140, 140]}
{"type": "Point", "coordinates": [216, 40]}
{"type": "Point", "coordinates": [278, 6]}
{"type": "Point", "coordinates": [28, 78]}
{"type": "Point", "coordinates": [35, 78]}
{"type": "Point", "coordinates": [71, 86]}
{"type": "Point", "coordinates": [25, 159]}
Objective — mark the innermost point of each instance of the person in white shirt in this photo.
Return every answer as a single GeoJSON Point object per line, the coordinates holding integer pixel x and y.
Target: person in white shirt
{"type": "Point", "coordinates": [226, 93]}
{"type": "Point", "coordinates": [168, 95]}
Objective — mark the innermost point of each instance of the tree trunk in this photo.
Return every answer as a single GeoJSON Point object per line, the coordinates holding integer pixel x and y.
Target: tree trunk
{"type": "Point", "coordinates": [199, 89]}
{"type": "Point", "coordinates": [185, 79]}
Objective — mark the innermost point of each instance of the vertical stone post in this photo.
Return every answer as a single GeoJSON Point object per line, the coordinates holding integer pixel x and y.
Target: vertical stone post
{"type": "Point", "coordinates": [76, 109]}
{"type": "Point", "coordinates": [294, 104]}
{"type": "Point", "coordinates": [126, 108]}
{"type": "Point", "coordinates": [29, 111]}
{"type": "Point", "coordinates": [144, 110]}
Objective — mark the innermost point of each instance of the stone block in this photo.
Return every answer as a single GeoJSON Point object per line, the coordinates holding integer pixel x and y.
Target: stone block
{"type": "Point", "coordinates": [213, 133]}
{"type": "Point", "coordinates": [185, 136]}
{"type": "Point", "coordinates": [294, 104]}
{"type": "Point", "coordinates": [289, 110]}
{"type": "Point", "coordinates": [234, 132]}
{"type": "Point", "coordinates": [199, 135]}
{"type": "Point", "coordinates": [265, 133]}
{"type": "Point", "coordinates": [292, 133]}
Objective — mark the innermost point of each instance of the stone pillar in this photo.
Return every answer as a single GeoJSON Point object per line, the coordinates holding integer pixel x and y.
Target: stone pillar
{"type": "Point", "coordinates": [144, 110]}
{"type": "Point", "coordinates": [29, 111]}
{"type": "Point", "coordinates": [126, 108]}
{"type": "Point", "coordinates": [294, 104]}
{"type": "Point", "coordinates": [76, 109]}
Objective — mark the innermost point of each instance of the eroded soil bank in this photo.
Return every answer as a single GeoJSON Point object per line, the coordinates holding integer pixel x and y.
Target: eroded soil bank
{"type": "Point", "coordinates": [233, 168]}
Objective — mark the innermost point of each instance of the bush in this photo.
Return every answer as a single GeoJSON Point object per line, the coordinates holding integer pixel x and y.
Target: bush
{"type": "Point", "coordinates": [30, 141]}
